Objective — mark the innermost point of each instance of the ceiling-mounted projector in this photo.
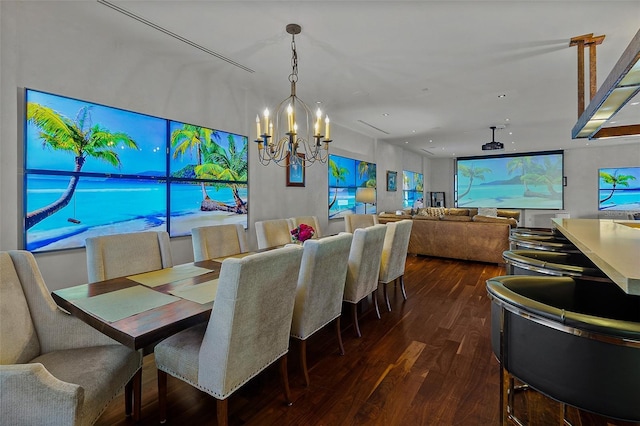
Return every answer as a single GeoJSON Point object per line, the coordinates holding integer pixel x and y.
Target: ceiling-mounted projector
{"type": "Point", "coordinates": [493, 145]}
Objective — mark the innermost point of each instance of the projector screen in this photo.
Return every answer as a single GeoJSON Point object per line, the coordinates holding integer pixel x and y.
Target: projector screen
{"type": "Point", "coordinates": [517, 181]}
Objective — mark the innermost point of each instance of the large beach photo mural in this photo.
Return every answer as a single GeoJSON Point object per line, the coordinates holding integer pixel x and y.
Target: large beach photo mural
{"type": "Point", "coordinates": [522, 181]}
{"type": "Point", "coordinates": [346, 175]}
{"type": "Point", "coordinates": [619, 188]}
{"type": "Point", "coordinates": [95, 170]}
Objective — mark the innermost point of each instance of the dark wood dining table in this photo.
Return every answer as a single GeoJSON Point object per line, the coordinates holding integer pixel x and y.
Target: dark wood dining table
{"type": "Point", "coordinates": [142, 330]}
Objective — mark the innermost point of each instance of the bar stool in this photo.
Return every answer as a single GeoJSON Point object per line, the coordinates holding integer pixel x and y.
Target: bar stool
{"type": "Point", "coordinates": [542, 242]}
{"type": "Point", "coordinates": [529, 232]}
{"type": "Point", "coordinates": [578, 344]}
{"type": "Point", "coordinates": [540, 262]}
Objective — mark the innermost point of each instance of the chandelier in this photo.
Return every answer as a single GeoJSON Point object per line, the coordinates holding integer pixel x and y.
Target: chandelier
{"type": "Point", "coordinates": [293, 135]}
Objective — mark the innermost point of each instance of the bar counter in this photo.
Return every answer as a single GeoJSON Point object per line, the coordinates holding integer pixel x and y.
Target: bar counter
{"type": "Point", "coordinates": [613, 245]}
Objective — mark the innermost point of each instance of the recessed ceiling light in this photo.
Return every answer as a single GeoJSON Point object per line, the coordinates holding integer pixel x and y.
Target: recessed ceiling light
{"type": "Point", "coordinates": [386, 114]}
{"type": "Point", "coordinates": [506, 119]}
{"type": "Point", "coordinates": [502, 95]}
{"type": "Point", "coordinates": [513, 141]}
{"type": "Point", "coordinates": [406, 141]}
{"type": "Point", "coordinates": [413, 131]}
{"type": "Point", "coordinates": [430, 140]}
{"type": "Point", "coordinates": [510, 133]}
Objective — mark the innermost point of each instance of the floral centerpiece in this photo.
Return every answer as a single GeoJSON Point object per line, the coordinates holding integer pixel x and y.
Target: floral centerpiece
{"type": "Point", "coordinates": [302, 233]}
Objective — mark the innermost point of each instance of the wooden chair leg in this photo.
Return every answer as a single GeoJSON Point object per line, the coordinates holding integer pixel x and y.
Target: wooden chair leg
{"type": "Point", "coordinates": [386, 296]}
{"type": "Point", "coordinates": [222, 412]}
{"type": "Point", "coordinates": [375, 303]}
{"type": "Point", "coordinates": [339, 334]}
{"type": "Point", "coordinates": [404, 292]}
{"type": "Point", "coordinates": [303, 361]}
{"type": "Point", "coordinates": [285, 379]}
{"type": "Point", "coordinates": [162, 395]}
{"type": "Point", "coordinates": [354, 314]}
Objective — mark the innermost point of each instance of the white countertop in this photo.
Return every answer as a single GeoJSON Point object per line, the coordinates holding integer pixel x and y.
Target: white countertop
{"type": "Point", "coordinates": [613, 245]}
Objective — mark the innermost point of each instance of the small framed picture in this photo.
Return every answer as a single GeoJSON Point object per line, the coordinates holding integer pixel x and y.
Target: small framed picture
{"type": "Point", "coordinates": [295, 170]}
{"type": "Point", "coordinates": [392, 179]}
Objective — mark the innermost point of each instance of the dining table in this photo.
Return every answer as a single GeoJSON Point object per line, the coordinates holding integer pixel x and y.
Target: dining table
{"type": "Point", "coordinates": [141, 310]}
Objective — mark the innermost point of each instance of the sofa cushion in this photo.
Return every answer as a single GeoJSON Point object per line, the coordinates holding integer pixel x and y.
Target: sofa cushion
{"type": "Point", "coordinates": [488, 211]}
{"type": "Point", "coordinates": [452, 211]}
{"type": "Point", "coordinates": [456, 218]}
{"type": "Point", "coordinates": [509, 213]}
{"type": "Point", "coordinates": [511, 221]}
{"type": "Point", "coordinates": [431, 211]}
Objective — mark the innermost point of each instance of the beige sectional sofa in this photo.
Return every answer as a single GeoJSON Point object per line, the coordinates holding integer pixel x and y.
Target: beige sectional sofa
{"type": "Point", "coordinates": [458, 233]}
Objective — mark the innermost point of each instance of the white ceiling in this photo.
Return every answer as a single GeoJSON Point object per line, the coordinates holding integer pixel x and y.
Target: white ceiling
{"type": "Point", "coordinates": [436, 68]}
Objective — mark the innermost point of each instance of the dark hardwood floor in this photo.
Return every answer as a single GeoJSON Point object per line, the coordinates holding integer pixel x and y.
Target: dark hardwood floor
{"type": "Point", "coordinates": [428, 362]}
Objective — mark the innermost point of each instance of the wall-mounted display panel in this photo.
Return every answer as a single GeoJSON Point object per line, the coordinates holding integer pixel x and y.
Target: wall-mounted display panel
{"type": "Point", "coordinates": [412, 189]}
{"type": "Point", "coordinates": [346, 175]}
{"type": "Point", "coordinates": [91, 170]}
{"type": "Point", "coordinates": [619, 188]}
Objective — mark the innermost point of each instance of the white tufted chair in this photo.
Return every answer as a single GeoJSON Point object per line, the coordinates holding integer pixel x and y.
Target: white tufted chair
{"type": "Point", "coordinates": [394, 256]}
{"type": "Point", "coordinates": [355, 221]}
{"type": "Point", "coordinates": [323, 272]}
{"type": "Point", "coordinates": [307, 220]}
{"type": "Point", "coordinates": [248, 329]}
{"type": "Point", "coordinates": [54, 368]}
{"type": "Point", "coordinates": [119, 255]}
{"type": "Point", "coordinates": [210, 242]}
{"type": "Point", "coordinates": [271, 233]}
{"type": "Point", "coordinates": [364, 268]}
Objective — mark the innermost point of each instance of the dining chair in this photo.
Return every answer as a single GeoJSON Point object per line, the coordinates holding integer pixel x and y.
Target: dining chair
{"type": "Point", "coordinates": [307, 220]}
{"type": "Point", "coordinates": [54, 368]}
{"type": "Point", "coordinates": [364, 269]}
{"type": "Point", "coordinates": [394, 256]}
{"type": "Point", "coordinates": [271, 233]}
{"type": "Point", "coordinates": [210, 242]}
{"type": "Point", "coordinates": [321, 281]}
{"type": "Point", "coordinates": [356, 221]}
{"type": "Point", "coordinates": [119, 255]}
{"type": "Point", "coordinates": [248, 329]}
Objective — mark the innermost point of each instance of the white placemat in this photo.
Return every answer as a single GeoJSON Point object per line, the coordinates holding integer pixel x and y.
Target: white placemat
{"type": "Point", "coordinates": [199, 293]}
{"type": "Point", "coordinates": [124, 303]}
{"type": "Point", "coordinates": [168, 275]}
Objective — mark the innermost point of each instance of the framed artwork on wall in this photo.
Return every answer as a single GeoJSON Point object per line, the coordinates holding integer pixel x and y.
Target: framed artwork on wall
{"type": "Point", "coordinates": [295, 170]}
{"type": "Point", "coordinates": [392, 178]}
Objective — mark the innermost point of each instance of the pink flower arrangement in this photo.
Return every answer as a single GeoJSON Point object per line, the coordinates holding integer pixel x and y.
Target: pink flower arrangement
{"type": "Point", "coordinates": [302, 233]}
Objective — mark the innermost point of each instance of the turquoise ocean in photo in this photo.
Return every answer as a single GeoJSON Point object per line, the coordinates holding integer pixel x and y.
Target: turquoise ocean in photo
{"type": "Point", "coordinates": [509, 196]}
{"type": "Point", "coordinates": [101, 202]}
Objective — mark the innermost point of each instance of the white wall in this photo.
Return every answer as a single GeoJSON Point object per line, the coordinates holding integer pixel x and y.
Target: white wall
{"type": "Point", "coordinates": [43, 46]}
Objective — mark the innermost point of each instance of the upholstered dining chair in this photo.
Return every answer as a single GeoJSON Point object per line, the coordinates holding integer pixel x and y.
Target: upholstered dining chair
{"type": "Point", "coordinates": [54, 369]}
{"type": "Point", "coordinates": [356, 221]}
{"type": "Point", "coordinates": [394, 256]}
{"type": "Point", "coordinates": [248, 329]}
{"type": "Point", "coordinates": [119, 255]}
{"type": "Point", "coordinates": [271, 233]}
{"type": "Point", "coordinates": [307, 220]}
{"type": "Point", "coordinates": [364, 269]}
{"type": "Point", "coordinates": [323, 272]}
{"type": "Point", "coordinates": [210, 242]}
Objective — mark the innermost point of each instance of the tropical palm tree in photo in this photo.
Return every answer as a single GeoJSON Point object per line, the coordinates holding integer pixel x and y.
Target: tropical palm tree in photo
{"type": "Point", "coordinates": [614, 180]}
{"type": "Point", "coordinates": [78, 137]}
{"type": "Point", "coordinates": [523, 164]}
{"type": "Point", "coordinates": [339, 174]}
{"type": "Point", "coordinates": [548, 173]}
{"type": "Point", "coordinates": [472, 173]}
{"type": "Point", "coordinates": [191, 138]}
{"type": "Point", "coordinates": [230, 166]}
{"type": "Point", "coordinates": [368, 170]}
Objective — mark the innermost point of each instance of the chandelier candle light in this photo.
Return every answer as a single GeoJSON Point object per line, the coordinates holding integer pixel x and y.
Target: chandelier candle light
{"type": "Point", "coordinates": [285, 140]}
